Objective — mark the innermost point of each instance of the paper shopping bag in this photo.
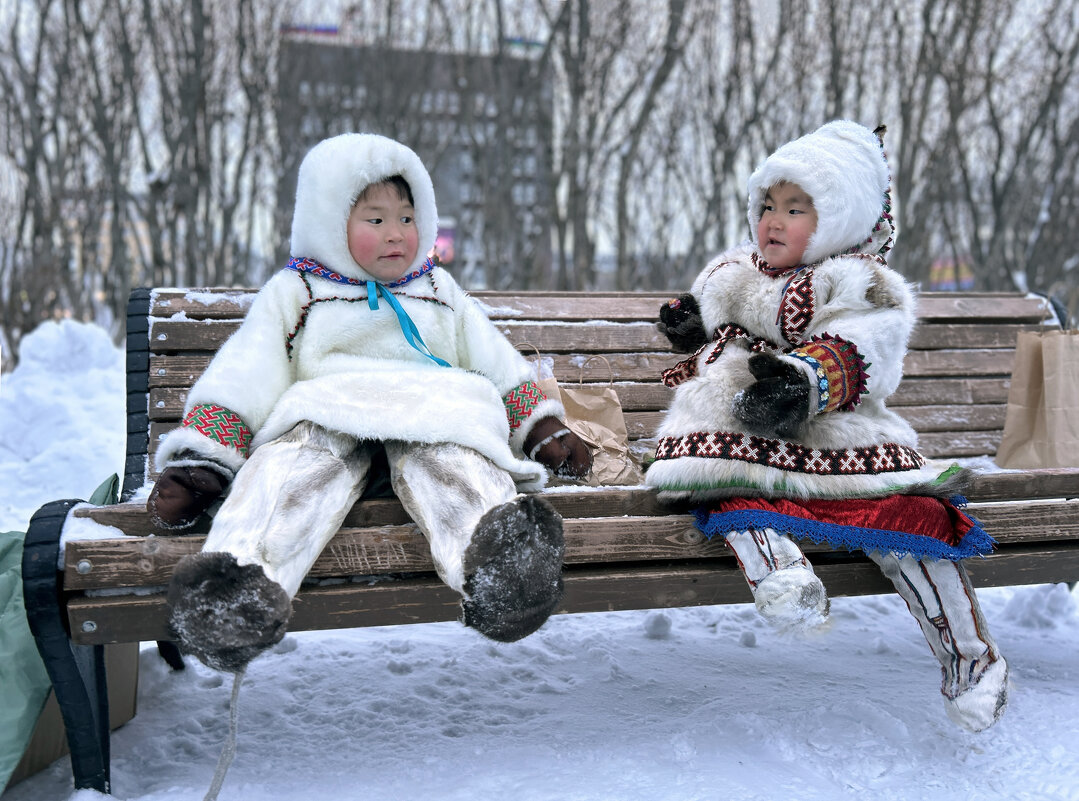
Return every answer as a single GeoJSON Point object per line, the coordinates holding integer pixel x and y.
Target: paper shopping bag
{"type": "Point", "coordinates": [1041, 424]}
{"type": "Point", "coordinates": [594, 413]}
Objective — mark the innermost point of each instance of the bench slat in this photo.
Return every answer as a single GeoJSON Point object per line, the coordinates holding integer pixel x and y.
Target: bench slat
{"type": "Point", "coordinates": [149, 561]}
{"type": "Point", "coordinates": [593, 336]}
{"type": "Point", "coordinates": [99, 620]}
{"type": "Point", "coordinates": [932, 306]}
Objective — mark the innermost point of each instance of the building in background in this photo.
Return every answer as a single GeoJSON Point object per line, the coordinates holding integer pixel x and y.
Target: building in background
{"type": "Point", "coordinates": [479, 123]}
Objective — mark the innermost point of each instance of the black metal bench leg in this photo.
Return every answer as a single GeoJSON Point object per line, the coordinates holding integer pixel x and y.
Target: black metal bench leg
{"type": "Point", "coordinates": [77, 671]}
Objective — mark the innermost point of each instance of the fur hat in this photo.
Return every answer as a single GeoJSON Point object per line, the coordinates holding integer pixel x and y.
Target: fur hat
{"type": "Point", "coordinates": [841, 166]}
{"type": "Point", "coordinates": [332, 175]}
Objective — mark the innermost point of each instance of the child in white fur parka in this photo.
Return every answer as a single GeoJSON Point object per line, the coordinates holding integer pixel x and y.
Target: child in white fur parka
{"type": "Point", "coordinates": [778, 425]}
{"type": "Point", "coordinates": [361, 344]}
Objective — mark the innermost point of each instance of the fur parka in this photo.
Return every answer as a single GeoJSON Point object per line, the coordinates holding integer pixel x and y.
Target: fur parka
{"type": "Point", "coordinates": [312, 349]}
{"type": "Point", "coordinates": [843, 319]}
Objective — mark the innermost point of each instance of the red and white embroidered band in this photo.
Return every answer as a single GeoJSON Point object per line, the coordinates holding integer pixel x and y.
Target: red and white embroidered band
{"type": "Point", "coordinates": [521, 401]}
{"type": "Point", "coordinates": [840, 369]}
{"type": "Point", "coordinates": [221, 425]}
{"type": "Point", "coordinates": [889, 457]}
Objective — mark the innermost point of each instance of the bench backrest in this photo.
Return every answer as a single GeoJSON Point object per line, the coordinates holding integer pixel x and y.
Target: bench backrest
{"type": "Point", "coordinates": [954, 392]}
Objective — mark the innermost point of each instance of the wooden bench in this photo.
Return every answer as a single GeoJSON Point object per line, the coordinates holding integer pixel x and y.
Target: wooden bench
{"type": "Point", "coordinates": [624, 550]}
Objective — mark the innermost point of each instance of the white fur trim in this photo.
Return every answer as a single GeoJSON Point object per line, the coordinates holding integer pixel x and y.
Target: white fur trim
{"type": "Point", "coordinates": [332, 175]}
{"type": "Point", "coordinates": [842, 168]}
{"type": "Point", "coordinates": [551, 407]}
{"type": "Point", "coordinates": [186, 447]}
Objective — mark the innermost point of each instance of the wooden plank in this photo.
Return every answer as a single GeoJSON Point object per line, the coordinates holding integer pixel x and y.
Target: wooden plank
{"type": "Point", "coordinates": [149, 561]}
{"type": "Point", "coordinates": [932, 306]}
{"type": "Point", "coordinates": [984, 306]}
{"type": "Point", "coordinates": [1056, 482]}
{"type": "Point", "coordinates": [963, 363]}
{"type": "Point", "coordinates": [107, 619]}
{"type": "Point", "coordinates": [981, 367]}
{"type": "Point", "coordinates": [915, 391]}
{"type": "Point", "coordinates": [978, 417]}
{"type": "Point", "coordinates": [958, 444]}
{"type": "Point", "coordinates": [181, 370]}
{"type": "Point", "coordinates": [929, 336]}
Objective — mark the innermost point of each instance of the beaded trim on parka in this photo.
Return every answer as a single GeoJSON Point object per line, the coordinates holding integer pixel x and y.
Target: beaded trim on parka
{"type": "Point", "coordinates": [222, 425]}
{"type": "Point", "coordinates": [521, 401]}
{"type": "Point", "coordinates": [790, 456]}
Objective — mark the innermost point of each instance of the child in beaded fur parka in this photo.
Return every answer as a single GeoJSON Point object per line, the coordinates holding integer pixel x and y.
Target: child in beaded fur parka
{"type": "Point", "coordinates": [778, 426]}
{"type": "Point", "coordinates": [361, 344]}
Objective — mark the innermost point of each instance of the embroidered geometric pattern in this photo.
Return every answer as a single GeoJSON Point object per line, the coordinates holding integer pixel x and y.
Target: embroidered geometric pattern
{"type": "Point", "coordinates": [782, 455]}
{"type": "Point", "coordinates": [797, 306]}
{"type": "Point", "coordinates": [768, 269]}
{"type": "Point", "coordinates": [684, 370]}
{"type": "Point", "coordinates": [521, 401]}
{"type": "Point", "coordinates": [687, 368]}
{"type": "Point", "coordinates": [822, 379]}
{"type": "Point", "coordinates": [221, 425]}
{"type": "Point", "coordinates": [843, 367]}
{"type": "Point", "coordinates": [313, 267]}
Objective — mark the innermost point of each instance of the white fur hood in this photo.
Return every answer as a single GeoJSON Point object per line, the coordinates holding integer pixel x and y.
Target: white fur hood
{"type": "Point", "coordinates": [841, 166]}
{"type": "Point", "coordinates": [332, 175]}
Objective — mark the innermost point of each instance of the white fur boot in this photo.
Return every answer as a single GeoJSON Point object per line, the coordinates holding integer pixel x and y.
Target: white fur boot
{"type": "Point", "coordinates": [786, 591]}
{"type": "Point", "coordinates": [939, 595]}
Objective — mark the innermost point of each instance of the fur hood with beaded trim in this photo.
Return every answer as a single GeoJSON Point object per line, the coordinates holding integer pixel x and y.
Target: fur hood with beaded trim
{"type": "Point", "coordinates": [332, 175]}
{"type": "Point", "coordinates": [842, 167]}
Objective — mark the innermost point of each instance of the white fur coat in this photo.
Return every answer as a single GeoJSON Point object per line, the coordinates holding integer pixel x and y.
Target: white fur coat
{"type": "Point", "coordinates": [330, 359]}
{"type": "Point", "coordinates": [847, 292]}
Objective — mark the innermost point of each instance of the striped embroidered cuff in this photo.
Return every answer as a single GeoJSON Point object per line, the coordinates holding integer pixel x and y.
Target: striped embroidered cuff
{"type": "Point", "coordinates": [840, 370]}
{"type": "Point", "coordinates": [222, 425]}
{"type": "Point", "coordinates": [521, 401]}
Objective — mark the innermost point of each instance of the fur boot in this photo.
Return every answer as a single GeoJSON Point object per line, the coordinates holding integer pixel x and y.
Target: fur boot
{"type": "Point", "coordinates": [786, 591]}
{"type": "Point", "coordinates": [513, 569]}
{"type": "Point", "coordinates": [942, 600]}
{"type": "Point", "coordinates": [225, 613]}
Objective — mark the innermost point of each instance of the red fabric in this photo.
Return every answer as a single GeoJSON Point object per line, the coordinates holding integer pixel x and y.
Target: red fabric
{"type": "Point", "coordinates": [912, 514]}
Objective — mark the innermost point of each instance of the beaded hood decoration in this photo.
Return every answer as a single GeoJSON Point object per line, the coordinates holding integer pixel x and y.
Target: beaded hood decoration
{"type": "Point", "coordinates": [842, 167]}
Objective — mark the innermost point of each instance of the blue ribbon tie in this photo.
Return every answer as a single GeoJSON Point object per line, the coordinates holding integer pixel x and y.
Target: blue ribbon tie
{"type": "Point", "coordinates": [408, 328]}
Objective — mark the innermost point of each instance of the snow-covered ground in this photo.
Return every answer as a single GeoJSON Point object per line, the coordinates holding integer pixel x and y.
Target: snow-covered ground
{"type": "Point", "coordinates": [699, 703]}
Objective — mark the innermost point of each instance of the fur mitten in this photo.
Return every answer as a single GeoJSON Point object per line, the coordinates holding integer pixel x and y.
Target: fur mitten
{"type": "Point", "coordinates": [680, 321]}
{"type": "Point", "coordinates": [223, 612]}
{"type": "Point", "coordinates": [778, 401]}
{"type": "Point", "coordinates": [182, 494]}
{"type": "Point", "coordinates": [513, 569]}
{"type": "Point", "coordinates": [558, 449]}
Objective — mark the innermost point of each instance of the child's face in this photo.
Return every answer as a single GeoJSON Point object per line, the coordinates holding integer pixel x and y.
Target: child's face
{"type": "Point", "coordinates": [382, 235]}
{"type": "Point", "coordinates": [787, 223]}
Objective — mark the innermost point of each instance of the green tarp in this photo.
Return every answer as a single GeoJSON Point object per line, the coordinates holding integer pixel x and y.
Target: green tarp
{"type": "Point", "coordinates": [24, 684]}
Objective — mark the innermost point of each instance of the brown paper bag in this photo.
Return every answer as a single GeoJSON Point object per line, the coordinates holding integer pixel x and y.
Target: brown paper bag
{"type": "Point", "coordinates": [594, 413]}
{"type": "Point", "coordinates": [1041, 425]}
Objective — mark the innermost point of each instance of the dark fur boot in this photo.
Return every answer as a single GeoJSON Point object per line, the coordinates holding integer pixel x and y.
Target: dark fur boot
{"type": "Point", "coordinates": [514, 569]}
{"type": "Point", "coordinates": [224, 613]}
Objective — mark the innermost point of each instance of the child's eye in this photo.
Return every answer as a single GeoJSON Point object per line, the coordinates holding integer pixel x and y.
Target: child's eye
{"type": "Point", "coordinates": [768, 207]}
{"type": "Point", "coordinates": [375, 220]}
{"type": "Point", "coordinates": [407, 220]}
{"type": "Point", "coordinates": [797, 211]}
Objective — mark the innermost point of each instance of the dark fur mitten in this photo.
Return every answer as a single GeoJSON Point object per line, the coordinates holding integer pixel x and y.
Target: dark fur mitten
{"type": "Point", "coordinates": [778, 401]}
{"type": "Point", "coordinates": [680, 321]}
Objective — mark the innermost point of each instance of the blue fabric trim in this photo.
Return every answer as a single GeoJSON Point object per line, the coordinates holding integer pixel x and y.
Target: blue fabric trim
{"type": "Point", "coordinates": [976, 542]}
{"type": "Point", "coordinates": [408, 328]}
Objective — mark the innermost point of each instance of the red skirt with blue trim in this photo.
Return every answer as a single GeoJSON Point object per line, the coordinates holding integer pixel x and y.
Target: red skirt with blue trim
{"type": "Point", "coordinates": [922, 526]}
